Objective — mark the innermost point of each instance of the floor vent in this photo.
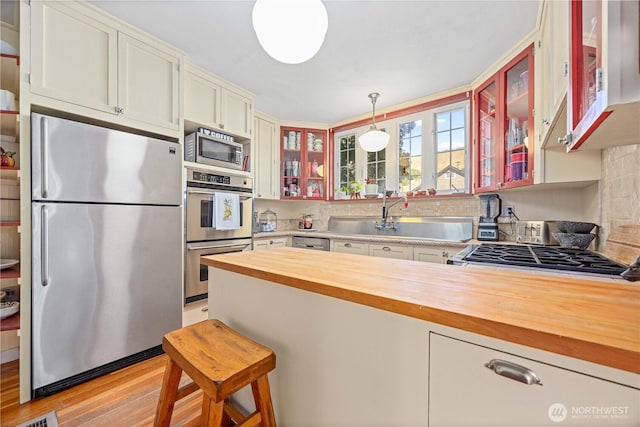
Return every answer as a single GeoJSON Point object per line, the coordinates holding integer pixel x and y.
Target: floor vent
{"type": "Point", "coordinates": [46, 420]}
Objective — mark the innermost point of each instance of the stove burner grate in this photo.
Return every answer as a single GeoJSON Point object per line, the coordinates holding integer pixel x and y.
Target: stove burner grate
{"type": "Point", "coordinates": [547, 257]}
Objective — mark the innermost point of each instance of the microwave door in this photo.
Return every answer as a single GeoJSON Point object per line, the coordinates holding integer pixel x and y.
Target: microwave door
{"type": "Point", "coordinates": [215, 150]}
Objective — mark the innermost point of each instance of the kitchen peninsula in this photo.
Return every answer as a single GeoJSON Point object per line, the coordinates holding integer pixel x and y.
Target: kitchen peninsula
{"type": "Point", "coordinates": [360, 340]}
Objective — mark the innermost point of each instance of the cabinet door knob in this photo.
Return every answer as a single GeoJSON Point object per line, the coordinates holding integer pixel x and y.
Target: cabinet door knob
{"type": "Point", "coordinates": [567, 139]}
{"type": "Point", "coordinates": [221, 125]}
{"type": "Point", "coordinates": [513, 371]}
{"type": "Point", "coordinates": [119, 110]}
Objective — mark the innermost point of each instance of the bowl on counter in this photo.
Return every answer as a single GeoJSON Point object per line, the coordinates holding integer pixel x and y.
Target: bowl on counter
{"type": "Point", "coordinates": [575, 227]}
{"type": "Point", "coordinates": [574, 240]}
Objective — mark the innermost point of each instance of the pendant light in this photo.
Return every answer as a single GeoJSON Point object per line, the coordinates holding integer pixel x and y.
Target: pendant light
{"type": "Point", "coordinates": [374, 140]}
{"type": "Point", "coordinates": [290, 31]}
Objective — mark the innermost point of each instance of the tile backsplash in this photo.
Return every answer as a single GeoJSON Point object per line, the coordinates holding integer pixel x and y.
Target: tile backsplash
{"type": "Point", "coordinates": [612, 201]}
{"type": "Point", "coordinates": [531, 204]}
{"type": "Point", "coordinates": [620, 188]}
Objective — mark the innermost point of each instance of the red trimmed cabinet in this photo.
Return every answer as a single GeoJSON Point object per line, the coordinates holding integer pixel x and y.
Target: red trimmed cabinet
{"type": "Point", "coordinates": [503, 111]}
{"type": "Point", "coordinates": [303, 164]}
{"type": "Point", "coordinates": [603, 103]}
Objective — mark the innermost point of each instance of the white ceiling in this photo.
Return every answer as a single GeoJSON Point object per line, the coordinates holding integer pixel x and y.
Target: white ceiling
{"type": "Point", "coordinates": [403, 49]}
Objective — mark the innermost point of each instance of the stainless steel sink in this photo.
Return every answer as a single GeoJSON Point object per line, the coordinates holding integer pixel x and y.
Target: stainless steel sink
{"type": "Point", "coordinates": [443, 228]}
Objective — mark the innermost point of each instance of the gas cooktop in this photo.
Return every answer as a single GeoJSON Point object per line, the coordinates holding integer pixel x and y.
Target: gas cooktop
{"type": "Point", "coordinates": [546, 257]}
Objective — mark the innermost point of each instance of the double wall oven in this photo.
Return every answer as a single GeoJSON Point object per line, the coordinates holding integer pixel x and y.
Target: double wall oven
{"type": "Point", "coordinates": [203, 239]}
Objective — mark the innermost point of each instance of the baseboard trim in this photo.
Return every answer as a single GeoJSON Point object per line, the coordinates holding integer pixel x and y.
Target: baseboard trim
{"type": "Point", "coordinates": [10, 355]}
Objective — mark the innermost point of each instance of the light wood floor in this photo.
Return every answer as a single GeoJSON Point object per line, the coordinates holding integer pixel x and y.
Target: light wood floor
{"type": "Point", "coordinates": [127, 397]}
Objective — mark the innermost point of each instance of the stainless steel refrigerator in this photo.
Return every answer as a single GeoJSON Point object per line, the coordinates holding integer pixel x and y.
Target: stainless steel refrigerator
{"type": "Point", "coordinates": [106, 252]}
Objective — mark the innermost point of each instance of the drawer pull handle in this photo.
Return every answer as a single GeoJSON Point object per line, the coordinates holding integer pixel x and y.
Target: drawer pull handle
{"type": "Point", "coordinates": [347, 245]}
{"type": "Point", "coordinates": [386, 248]}
{"type": "Point", "coordinates": [513, 371]}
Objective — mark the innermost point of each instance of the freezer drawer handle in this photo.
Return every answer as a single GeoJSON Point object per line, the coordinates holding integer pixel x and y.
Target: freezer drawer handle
{"type": "Point", "coordinates": [44, 180]}
{"type": "Point", "coordinates": [513, 371]}
{"type": "Point", "coordinates": [44, 245]}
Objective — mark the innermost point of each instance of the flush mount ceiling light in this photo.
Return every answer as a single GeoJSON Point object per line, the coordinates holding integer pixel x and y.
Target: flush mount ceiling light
{"type": "Point", "coordinates": [290, 31]}
{"type": "Point", "coordinates": [373, 140]}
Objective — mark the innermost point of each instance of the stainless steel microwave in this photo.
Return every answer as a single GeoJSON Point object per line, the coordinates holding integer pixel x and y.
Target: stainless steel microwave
{"type": "Point", "coordinates": [213, 150]}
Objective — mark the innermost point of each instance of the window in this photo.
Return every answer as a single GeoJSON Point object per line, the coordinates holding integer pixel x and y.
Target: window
{"type": "Point", "coordinates": [427, 149]}
{"type": "Point", "coordinates": [347, 161]}
{"type": "Point", "coordinates": [410, 159]}
{"type": "Point", "coordinates": [451, 143]}
{"type": "Point", "coordinates": [376, 167]}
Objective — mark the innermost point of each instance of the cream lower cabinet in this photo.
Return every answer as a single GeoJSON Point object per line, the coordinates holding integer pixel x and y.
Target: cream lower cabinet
{"type": "Point", "coordinates": [80, 56]}
{"type": "Point", "coordinates": [464, 391]}
{"type": "Point", "coordinates": [438, 254]}
{"type": "Point", "coordinates": [195, 312]}
{"type": "Point", "coordinates": [266, 161]}
{"type": "Point", "coordinates": [213, 103]}
{"type": "Point", "coordinates": [350, 247]}
{"type": "Point", "coordinates": [269, 243]}
{"type": "Point", "coordinates": [391, 251]}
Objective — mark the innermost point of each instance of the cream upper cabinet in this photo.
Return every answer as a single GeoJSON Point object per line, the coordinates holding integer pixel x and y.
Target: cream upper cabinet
{"type": "Point", "coordinates": [202, 99]}
{"type": "Point", "coordinates": [553, 164]}
{"type": "Point", "coordinates": [236, 114]}
{"type": "Point", "coordinates": [73, 57]}
{"type": "Point", "coordinates": [553, 70]}
{"type": "Point", "coordinates": [82, 57]}
{"type": "Point", "coordinates": [265, 158]}
{"type": "Point", "coordinates": [213, 103]}
{"type": "Point", "coordinates": [148, 83]}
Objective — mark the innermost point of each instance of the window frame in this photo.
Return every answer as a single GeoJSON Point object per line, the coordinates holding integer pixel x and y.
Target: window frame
{"type": "Point", "coordinates": [429, 147]}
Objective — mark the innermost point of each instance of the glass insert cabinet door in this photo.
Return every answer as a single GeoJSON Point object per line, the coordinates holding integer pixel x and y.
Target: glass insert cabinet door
{"type": "Point", "coordinates": [303, 163]}
{"type": "Point", "coordinates": [586, 98]}
{"type": "Point", "coordinates": [516, 122]}
{"type": "Point", "coordinates": [487, 131]}
{"type": "Point", "coordinates": [504, 125]}
{"type": "Point", "coordinates": [314, 174]}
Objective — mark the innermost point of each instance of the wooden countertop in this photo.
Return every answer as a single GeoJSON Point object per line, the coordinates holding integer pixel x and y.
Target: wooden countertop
{"type": "Point", "coordinates": [597, 321]}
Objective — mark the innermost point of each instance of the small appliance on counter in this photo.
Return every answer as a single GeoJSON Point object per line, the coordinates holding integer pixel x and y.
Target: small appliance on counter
{"type": "Point", "coordinates": [536, 232]}
{"type": "Point", "coordinates": [488, 226]}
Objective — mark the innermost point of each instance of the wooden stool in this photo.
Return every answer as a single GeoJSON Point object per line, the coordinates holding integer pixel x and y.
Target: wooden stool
{"type": "Point", "coordinates": [220, 361]}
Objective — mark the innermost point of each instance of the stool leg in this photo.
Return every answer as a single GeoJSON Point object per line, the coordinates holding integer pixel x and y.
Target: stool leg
{"type": "Point", "coordinates": [212, 412]}
{"type": "Point", "coordinates": [262, 398]}
{"type": "Point", "coordinates": [168, 392]}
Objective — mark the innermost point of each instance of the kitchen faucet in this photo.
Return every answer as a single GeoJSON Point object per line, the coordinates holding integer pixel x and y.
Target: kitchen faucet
{"type": "Point", "coordinates": [385, 211]}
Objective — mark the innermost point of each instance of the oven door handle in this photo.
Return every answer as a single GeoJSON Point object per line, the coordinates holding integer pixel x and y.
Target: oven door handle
{"type": "Point", "coordinates": [212, 192]}
{"type": "Point", "coordinates": [235, 248]}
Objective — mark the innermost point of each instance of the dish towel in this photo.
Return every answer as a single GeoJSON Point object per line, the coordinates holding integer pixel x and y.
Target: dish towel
{"type": "Point", "coordinates": [226, 208]}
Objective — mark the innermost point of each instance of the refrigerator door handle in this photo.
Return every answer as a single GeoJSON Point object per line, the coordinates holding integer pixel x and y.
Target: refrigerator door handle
{"type": "Point", "coordinates": [44, 177]}
{"type": "Point", "coordinates": [44, 247]}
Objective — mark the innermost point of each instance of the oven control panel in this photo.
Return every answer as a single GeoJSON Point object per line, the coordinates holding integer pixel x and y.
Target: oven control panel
{"type": "Point", "coordinates": [215, 179]}
{"type": "Point", "coordinates": [211, 178]}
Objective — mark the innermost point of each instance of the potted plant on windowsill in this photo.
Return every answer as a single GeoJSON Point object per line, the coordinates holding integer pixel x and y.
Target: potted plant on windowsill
{"type": "Point", "coordinates": [371, 187]}
{"type": "Point", "coordinates": [355, 187]}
